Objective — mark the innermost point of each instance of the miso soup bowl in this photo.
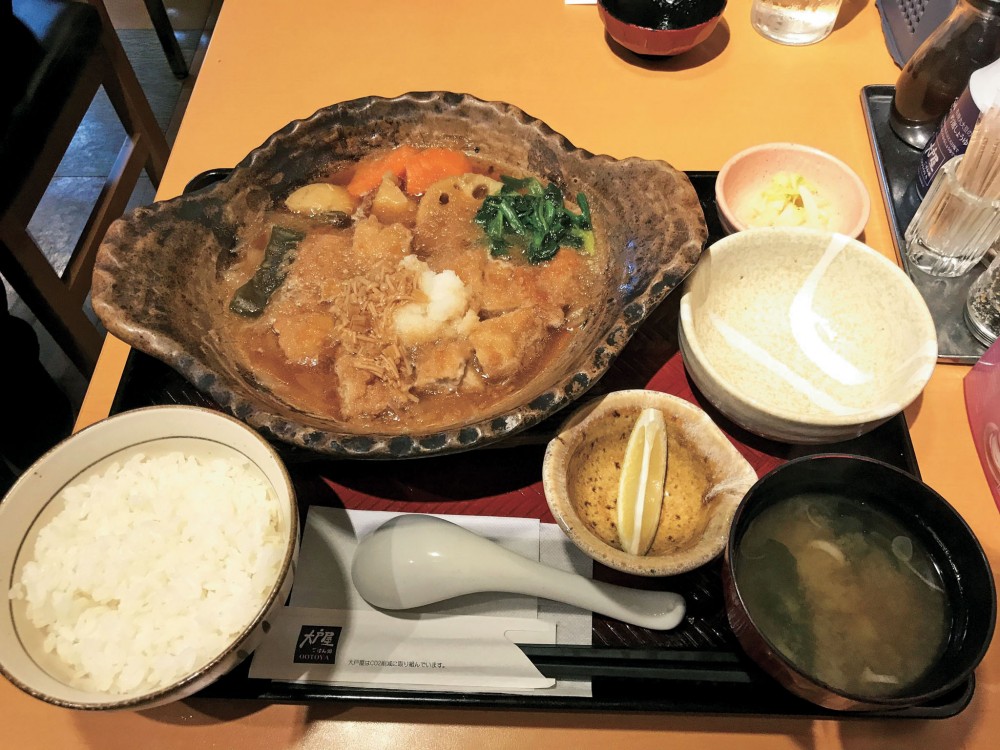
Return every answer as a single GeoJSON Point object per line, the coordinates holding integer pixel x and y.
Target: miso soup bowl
{"type": "Point", "coordinates": [657, 29]}
{"type": "Point", "coordinates": [951, 544]}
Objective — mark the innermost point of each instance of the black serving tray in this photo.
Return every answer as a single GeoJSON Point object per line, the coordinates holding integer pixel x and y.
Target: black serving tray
{"type": "Point", "coordinates": [897, 165]}
{"type": "Point", "coordinates": [696, 668]}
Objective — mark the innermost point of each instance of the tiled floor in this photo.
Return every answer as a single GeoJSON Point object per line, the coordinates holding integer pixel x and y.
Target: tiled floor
{"type": "Point", "coordinates": [69, 200]}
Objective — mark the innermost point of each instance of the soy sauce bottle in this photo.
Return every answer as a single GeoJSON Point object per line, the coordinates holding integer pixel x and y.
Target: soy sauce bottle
{"type": "Point", "coordinates": [939, 70]}
{"type": "Point", "coordinates": [952, 137]}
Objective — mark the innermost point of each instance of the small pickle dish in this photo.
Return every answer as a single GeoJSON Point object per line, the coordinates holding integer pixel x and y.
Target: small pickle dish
{"type": "Point", "coordinates": [790, 185]}
{"type": "Point", "coordinates": [706, 477]}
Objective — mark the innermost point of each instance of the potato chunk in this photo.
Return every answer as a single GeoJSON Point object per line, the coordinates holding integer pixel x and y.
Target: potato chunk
{"type": "Point", "coordinates": [320, 198]}
{"type": "Point", "coordinates": [391, 205]}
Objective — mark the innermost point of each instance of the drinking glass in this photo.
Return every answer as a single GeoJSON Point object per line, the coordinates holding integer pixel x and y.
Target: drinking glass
{"type": "Point", "coordinates": [953, 227]}
{"type": "Point", "coordinates": [794, 22]}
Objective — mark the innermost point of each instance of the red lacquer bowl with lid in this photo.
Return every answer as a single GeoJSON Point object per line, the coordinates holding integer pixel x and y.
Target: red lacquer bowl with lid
{"type": "Point", "coordinates": [652, 27]}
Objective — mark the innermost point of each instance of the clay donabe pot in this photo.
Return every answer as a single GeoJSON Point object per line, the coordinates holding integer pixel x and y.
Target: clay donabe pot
{"type": "Point", "coordinates": [156, 278]}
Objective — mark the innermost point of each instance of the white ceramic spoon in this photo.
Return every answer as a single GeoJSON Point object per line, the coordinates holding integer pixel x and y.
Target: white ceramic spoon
{"type": "Point", "coordinates": [414, 560]}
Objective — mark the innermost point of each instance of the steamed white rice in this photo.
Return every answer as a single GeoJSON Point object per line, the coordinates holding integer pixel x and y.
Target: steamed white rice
{"type": "Point", "coordinates": [152, 569]}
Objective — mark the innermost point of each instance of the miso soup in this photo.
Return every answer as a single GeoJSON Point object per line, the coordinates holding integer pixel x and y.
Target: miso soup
{"type": "Point", "coordinates": [845, 592]}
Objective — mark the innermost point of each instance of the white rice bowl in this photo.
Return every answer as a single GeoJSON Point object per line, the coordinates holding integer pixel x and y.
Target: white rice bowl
{"type": "Point", "coordinates": [142, 557]}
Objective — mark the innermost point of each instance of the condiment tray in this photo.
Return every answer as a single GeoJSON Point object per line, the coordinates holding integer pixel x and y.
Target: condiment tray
{"type": "Point", "coordinates": [696, 668]}
{"type": "Point", "coordinates": [897, 165]}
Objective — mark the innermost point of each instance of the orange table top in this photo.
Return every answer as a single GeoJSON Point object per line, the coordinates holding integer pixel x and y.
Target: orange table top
{"type": "Point", "coordinates": [269, 63]}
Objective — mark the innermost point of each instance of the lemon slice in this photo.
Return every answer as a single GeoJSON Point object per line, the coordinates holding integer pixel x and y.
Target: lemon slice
{"type": "Point", "coordinates": [640, 488]}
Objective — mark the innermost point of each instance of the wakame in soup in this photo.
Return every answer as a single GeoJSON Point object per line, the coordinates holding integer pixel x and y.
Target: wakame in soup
{"type": "Point", "coordinates": [417, 289]}
{"type": "Point", "coordinates": [844, 592]}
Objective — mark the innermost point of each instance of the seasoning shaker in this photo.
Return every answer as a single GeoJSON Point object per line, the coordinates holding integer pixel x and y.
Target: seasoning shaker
{"type": "Point", "coordinates": [982, 306]}
{"type": "Point", "coordinates": [938, 72]}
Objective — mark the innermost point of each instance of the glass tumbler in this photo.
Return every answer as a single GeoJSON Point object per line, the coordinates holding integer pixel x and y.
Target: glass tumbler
{"type": "Point", "coordinates": [794, 22]}
{"type": "Point", "coordinates": [953, 228]}
{"type": "Point", "coordinates": [982, 307]}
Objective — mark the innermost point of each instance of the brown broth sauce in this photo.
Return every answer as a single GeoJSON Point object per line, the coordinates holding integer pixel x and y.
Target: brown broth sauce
{"type": "Point", "coordinates": [312, 387]}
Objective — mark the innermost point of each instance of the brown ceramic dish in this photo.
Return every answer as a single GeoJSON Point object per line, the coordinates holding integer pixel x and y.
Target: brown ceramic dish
{"type": "Point", "coordinates": [705, 472]}
{"type": "Point", "coordinates": [953, 548]}
{"type": "Point", "coordinates": [157, 270]}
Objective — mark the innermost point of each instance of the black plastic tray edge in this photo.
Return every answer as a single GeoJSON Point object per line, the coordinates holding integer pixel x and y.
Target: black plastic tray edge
{"type": "Point", "coordinates": [237, 685]}
{"type": "Point", "coordinates": [616, 695]}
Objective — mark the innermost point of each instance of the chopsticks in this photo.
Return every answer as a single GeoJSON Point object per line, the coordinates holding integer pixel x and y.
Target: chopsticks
{"type": "Point", "coordinates": [569, 662]}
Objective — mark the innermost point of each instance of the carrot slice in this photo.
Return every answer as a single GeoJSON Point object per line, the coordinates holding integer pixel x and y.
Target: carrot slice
{"type": "Point", "coordinates": [369, 172]}
{"type": "Point", "coordinates": [428, 166]}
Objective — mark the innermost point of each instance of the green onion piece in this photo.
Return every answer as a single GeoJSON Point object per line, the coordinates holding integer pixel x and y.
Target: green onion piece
{"type": "Point", "coordinates": [584, 204]}
{"type": "Point", "coordinates": [251, 298]}
{"type": "Point", "coordinates": [586, 239]}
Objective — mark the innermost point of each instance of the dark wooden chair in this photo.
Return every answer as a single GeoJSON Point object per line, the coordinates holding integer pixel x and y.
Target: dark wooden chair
{"type": "Point", "coordinates": [168, 39]}
{"type": "Point", "coordinates": [64, 52]}
{"type": "Point", "coordinates": [37, 412]}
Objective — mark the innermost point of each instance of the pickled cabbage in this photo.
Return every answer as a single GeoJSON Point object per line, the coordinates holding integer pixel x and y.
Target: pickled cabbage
{"type": "Point", "coordinates": [789, 200]}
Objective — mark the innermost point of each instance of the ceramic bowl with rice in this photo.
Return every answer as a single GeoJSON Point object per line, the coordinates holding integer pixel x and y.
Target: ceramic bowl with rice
{"type": "Point", "coordinates": [143, 557]}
